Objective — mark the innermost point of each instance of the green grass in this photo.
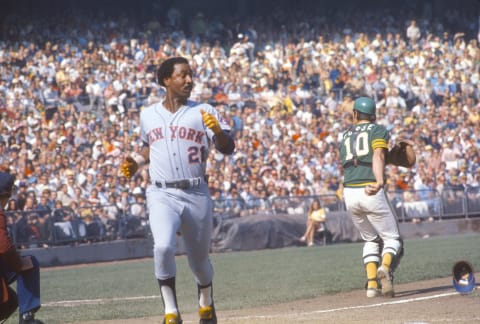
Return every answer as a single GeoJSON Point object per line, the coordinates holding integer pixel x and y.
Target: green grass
{"type": "Point", "coordinates": [243, 279]}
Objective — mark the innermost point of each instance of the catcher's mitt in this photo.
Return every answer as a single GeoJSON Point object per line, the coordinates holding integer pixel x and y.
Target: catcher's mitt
{"type": "Point", "coordinates": [402, 154]}
{"type": "Point", "coordinates": [128, 167]}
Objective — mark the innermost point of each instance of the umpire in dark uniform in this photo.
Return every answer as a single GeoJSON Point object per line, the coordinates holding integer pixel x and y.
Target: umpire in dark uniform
{"type": "Point", "coordinates": [13, 267]}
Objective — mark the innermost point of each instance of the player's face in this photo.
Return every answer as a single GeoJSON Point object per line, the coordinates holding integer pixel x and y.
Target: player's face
{"type": "Point", "coordinates": [180, 83]}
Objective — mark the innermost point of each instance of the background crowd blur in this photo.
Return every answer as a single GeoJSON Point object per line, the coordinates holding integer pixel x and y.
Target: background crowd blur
{"type": "Point", "coordinates": [73, 79]}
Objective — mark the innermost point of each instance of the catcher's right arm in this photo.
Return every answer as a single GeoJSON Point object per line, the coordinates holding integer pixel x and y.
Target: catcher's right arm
{"type": "Point", "coordinates": [402, 154]}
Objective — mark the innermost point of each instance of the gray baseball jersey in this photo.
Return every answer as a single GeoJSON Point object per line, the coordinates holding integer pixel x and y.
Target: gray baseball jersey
{"type": "Point", "coordinates": [180, 142]}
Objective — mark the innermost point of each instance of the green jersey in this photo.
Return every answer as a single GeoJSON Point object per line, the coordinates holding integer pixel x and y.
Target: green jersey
{"type": "Point", "coordinates": [356, 152]}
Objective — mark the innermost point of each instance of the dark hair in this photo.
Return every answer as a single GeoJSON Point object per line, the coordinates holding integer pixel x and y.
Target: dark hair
{"type": "Point", "coordinates": [166, 68]}
{"type": "Point", "coordinates": [364, 116]}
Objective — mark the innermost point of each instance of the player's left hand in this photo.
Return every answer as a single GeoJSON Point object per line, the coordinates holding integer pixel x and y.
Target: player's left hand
{"type": "Point", "coordinates": [372, 189]}
{"type": "Point", "coordinates": [211, 122]}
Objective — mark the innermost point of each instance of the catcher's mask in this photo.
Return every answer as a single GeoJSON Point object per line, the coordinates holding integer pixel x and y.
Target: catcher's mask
{"type": "Point", "coordinates": [463, 277]}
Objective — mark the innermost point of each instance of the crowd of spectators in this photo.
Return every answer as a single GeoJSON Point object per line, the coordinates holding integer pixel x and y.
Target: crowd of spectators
{"type": "Point", "coordinates": [71, 92]}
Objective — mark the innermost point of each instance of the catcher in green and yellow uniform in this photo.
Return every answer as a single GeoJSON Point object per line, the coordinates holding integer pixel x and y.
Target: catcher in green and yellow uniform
{"type": "Point", "coordinates": [364, 154]}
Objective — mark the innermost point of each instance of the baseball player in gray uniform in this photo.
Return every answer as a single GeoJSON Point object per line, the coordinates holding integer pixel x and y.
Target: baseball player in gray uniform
{"type": "Point", "coordinates": [177, 135]}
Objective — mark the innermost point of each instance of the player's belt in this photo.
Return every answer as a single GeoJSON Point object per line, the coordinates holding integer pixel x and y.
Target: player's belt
{"type": "Point", "coordinates": [351, 163]}
{"type": "Point", "coordinates": [180, 184]}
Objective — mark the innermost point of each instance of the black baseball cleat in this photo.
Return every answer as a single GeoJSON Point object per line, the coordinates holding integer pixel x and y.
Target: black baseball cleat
{"type": "Point", "coordinates": [207, 315]}
{"type": "Point", "coordinates": [29, 318]}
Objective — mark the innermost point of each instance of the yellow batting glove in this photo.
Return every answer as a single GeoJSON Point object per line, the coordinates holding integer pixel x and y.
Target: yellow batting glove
{"type": "Point", "coordinates": [211, 122]}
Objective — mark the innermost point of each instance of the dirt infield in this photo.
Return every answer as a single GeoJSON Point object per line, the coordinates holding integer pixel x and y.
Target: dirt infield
{"type": "Point", "coordinates": [431, 301]}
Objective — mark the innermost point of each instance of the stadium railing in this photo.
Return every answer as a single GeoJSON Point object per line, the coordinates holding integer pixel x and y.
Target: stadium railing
{"type": "Point", "coordinates": [409, 205]}
{"type": "Point", "coordinates": [43, 228]}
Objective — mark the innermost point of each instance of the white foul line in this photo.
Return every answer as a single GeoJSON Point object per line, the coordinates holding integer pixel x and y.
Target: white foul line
{"type": "Point", "coordinates": [393, 302]}
{"type": "Point", "coordinates": [70, 303]}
